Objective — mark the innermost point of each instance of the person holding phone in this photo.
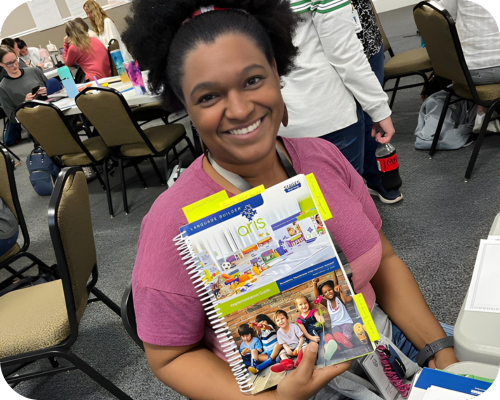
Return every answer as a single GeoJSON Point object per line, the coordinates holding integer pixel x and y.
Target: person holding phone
{"type": "Point", "coordinates": [16, 88]}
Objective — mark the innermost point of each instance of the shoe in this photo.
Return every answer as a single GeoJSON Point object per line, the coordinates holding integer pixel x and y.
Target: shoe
{"type": "Point", "coordinates": [331, 348]}
{"type": "Point", "coordinates": [341, 339]}
{"type": "Point", "coordinates": [493, 126]}
{"type": "Point", "coordinates": [253, 370]}
{"type": "Point", "coordinates": [478, 122]}
{"type": "Point", "coordinates": [89, 174]}
{"type": "Point", "coordinates": [385, 196]}
{"type": "Point", "coordinates": [284, 365]}
{"type": "Point", "coordinates": [359, 330]}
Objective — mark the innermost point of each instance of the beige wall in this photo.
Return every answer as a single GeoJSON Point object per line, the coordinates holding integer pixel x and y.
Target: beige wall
{"type": "Point", "coordinates": [21, 20]}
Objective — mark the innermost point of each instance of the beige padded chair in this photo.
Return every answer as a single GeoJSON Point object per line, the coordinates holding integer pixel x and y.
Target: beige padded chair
{"type": "Point", "coordinates": [438, 30]}
{"type": "Point", "coordinates": [8, 194]}
{"type": "Point", "coordinates": [110, 114]}
{"type": "Point", "coordinates": [42, 321]}
{"type": "Point", "coordinates": [48, 125]}
{"type": "Point", "coordinates": [408, 63]}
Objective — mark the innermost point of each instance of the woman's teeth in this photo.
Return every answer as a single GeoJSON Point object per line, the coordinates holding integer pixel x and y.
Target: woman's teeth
{"type": "Point", "coordinates": [246, 130]}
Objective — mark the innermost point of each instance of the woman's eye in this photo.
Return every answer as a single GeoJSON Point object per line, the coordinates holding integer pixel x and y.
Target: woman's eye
{"type": "Point", "coordinates": [206, 99]}
{"type": "Point", "coordinates": [253, 81]}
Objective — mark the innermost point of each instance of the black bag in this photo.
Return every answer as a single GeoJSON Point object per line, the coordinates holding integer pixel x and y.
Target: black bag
{"type": "Point", "coordinates": [43, 172]}
{"type": "Point", "coordinates": [29, 281]}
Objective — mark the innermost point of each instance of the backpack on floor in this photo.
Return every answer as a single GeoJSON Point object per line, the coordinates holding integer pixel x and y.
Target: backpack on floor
{"type": "Point", "coordinates": [43, 172]}
{"type": "Point", "coordinates": [457, 126]}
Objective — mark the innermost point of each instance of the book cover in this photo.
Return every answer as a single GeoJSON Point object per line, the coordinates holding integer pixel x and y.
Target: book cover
{"type": "Point", "coordinates": [269, 275]}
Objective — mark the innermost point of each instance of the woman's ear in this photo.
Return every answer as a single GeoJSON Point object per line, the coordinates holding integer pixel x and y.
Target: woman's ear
{"type": "Point", "coordinates": [284, 121]}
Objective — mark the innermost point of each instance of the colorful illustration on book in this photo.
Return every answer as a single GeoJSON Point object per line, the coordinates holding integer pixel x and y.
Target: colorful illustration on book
{"type": "Point", "coordinates": [272, 334]}
{"type": "Point", "coordinates": [261, 241]}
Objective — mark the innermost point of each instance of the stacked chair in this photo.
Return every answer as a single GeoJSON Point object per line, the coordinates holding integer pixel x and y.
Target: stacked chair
{"type": "Point", "coordinates": [51, 129]}
{"type": "Point", "coordinates": [8, 193]}
{"type": "Point", "coordinates": [109, 113]}
{"type": "Point", "coordinates": [443, 44]}
{"type": "Point", "coordinates": [42, 321]}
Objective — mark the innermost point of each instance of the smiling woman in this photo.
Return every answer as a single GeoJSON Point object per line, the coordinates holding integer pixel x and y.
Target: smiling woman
{"type": "Point", "coordinates": [223, 63]}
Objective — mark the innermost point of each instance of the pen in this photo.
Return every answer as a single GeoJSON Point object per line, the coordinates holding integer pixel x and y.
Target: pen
{"type": "Point", "coordinates": [126, 90]}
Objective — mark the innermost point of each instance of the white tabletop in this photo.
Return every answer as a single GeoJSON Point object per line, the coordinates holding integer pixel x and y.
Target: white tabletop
{"type": "Point", "coordinates": [131, 97]}
{"type": "Point", "coordinates": [52, 72]}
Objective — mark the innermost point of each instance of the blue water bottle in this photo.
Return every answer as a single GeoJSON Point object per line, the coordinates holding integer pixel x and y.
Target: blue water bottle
{"type": "Point", "coordinates": [67, 81]}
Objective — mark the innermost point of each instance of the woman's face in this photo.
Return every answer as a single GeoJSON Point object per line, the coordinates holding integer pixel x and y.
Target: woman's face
{"type": "Point", "coordinates": [89, 14]}
{"type": "Point", "coordinates": [234, 99]}
{"type": "Point", "coordinates": [10, 63]}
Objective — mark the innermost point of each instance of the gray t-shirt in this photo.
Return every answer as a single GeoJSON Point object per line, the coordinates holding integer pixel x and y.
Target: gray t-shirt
{"type": "Point", "coordinates": [8, 222]}
{"type": "Point", "coordinates": [13, 91]}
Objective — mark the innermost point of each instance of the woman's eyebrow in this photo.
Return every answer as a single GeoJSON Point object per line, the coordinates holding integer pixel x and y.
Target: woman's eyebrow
{"type": "Point", "coordinates": [208, 85]}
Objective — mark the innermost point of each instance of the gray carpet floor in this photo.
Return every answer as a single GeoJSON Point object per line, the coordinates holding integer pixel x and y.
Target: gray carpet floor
{"type": "Point", "coordinates": [435, 230]}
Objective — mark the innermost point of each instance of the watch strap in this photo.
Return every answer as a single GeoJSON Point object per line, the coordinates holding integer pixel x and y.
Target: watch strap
{"type": "Point", "coordinates": [431, 349]}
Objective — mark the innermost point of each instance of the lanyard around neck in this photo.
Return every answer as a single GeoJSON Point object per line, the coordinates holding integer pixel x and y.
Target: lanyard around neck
{"type": "Point", "coordinates": [241, 183]}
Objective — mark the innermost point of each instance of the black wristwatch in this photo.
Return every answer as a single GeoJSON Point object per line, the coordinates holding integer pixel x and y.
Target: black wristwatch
{"type": "Point", "coordinates": [431, 349]}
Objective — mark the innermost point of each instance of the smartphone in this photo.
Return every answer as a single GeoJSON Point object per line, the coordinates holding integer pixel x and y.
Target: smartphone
{"type": "Point", "coordinates": [35, 89]}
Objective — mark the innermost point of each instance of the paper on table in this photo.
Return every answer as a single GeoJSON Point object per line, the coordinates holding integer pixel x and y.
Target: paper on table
{"type": "Point", "coordinates": [65, 104]}
{"type": "Point", "coordinates": [438, 393]}
{"type": "Point", "coordinates": [483, 294]}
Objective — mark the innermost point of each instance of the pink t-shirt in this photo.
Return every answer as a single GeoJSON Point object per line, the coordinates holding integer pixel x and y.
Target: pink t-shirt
{"type": "Point", "coordinates": [94, 63]}
{"type": "Point", "coordinates": [161, 285]}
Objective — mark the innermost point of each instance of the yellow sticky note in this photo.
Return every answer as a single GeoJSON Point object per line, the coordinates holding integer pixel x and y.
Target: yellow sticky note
{"type": "Point", "coordinates": [243, 196]}
{"type": "Point", "coordinates": [205, 207]}
{"type": "Point", "coordinates": [366, 316]}
{"type": "Point", "coordinates": [318, 197]}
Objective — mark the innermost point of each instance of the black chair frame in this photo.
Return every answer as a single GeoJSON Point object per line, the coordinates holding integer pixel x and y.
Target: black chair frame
{"type": "Point", "coordinates": [398, 77]}
{"type": "Point", "coordinates": [128, 316]}
{"type": "Point", "coordinates": [23, 252]}
{"type": "Point", "coordinates": [492, 105]}
{"type": "Point", "coordinates": [111, 62]}
{"type": "Point", "coordinates": [93, 162]}
{"type": "Point", "coordinates": [6, 122]}
{"type": "Point", "coordinates": [124, 161]}
{"type": "Point", "coordinates": [63, 349]}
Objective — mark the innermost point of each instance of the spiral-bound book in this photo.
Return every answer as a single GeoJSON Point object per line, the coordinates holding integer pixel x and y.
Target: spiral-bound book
{"type": "Point", "coordinates": [270, 280]}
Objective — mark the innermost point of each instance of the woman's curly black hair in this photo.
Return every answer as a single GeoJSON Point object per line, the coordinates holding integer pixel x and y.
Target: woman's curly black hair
{"type": "Point", "coordinates": [158, 39]}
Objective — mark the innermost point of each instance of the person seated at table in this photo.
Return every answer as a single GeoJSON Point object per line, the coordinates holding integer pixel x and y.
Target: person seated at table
{"type": "Point", "coordinates": [104, 27]}
{"type": "Point", "coordinates": [16, 88]}
{"type": "Point", "coordinates": [30, 55]}
{"type": "Point", "coordinates": [13, 45]}
{"type": "Point", "coordinates": [480, 39]}
{"type": "Point", "coordinates": [224, 66]}
{"type": "Point", "coordinates": [89, 53]}
{"type": "Point", "coordinates": [86, 28]}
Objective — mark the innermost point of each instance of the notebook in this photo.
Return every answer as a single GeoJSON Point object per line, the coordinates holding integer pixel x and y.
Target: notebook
{"type": "Point", "coordinates": [256, 253]}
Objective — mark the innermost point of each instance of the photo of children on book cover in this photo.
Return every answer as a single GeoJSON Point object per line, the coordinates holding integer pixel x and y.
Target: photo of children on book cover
{"type": "Point", "coordinates": [272, 334]}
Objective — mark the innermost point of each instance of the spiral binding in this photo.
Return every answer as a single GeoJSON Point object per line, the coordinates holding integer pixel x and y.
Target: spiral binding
{"type": "Point", "coordinates": [210, 304]}
{"type": "Point", "coordinates": [403, 388]}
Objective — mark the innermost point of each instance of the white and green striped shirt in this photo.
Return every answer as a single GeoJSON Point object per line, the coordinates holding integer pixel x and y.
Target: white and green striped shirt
{"type": "Point", "coordinates": [332, 71]}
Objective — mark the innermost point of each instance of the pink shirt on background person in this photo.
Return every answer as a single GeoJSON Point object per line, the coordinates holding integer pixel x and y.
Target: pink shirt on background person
{"type": "Point", "coordinates": [93, 63]}
{"type": "Point", "coordinates": [161, 285]}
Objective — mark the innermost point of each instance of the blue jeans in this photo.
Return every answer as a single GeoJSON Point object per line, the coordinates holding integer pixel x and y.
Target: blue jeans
{"type": "Point", "coordinates": [351, 141]}
{"type": "Point", "coordinates": [7, 244]}
{"type": "Point", "coordinates": [406, 347]}
{"type": "Point", "coordinates": [12, 134]}
{"type": "Point", "coordinates": [370, 169]}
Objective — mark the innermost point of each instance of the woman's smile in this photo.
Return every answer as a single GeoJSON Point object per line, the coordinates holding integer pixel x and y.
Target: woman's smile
{"type": "Point", "coordinates": [247, 129]}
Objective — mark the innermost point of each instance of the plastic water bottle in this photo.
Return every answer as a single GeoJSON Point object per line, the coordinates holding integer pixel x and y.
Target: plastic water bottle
{"type": "Point", "coordinates": [68, 81]}
{"type": "Point", "coordinates": [388, 165]}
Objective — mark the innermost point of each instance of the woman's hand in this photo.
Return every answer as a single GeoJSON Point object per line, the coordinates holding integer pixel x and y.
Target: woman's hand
{"type": "Point", "coordinates": [29, 97]}
{"type": "Point", "coordinates": [443, 358]}
{"type": "Point", "coordinates": [388, 129]}
{"type": "Point", "coordinates": [42, 91]}
{"type": "Point", "coordinates": [66, 39]}
{"type": "Point", "coordinates": [305, 382]}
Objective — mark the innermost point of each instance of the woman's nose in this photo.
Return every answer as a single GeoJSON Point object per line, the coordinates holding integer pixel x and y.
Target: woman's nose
{"type": "Point", "coordinates": [238, 106]}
